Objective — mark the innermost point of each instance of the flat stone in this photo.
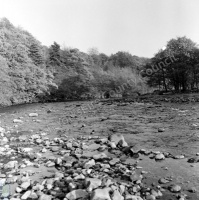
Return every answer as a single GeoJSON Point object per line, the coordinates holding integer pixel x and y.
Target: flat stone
{"type": "Point", "coordinates": [175, 188]}
{"type": "Point", "coordinates": [77, 194]}
{"type": "Point", "coordinates": [92, 183]}
{"type": "Point", "coordinates": [17, 121]}
{"type": "Point", "coordinates": [100, 156]}
{"type": "Point", "coordinates": [94, 146]}
{"type": "Point", "coordinates": [160, 156]}
{"type": "Point", "coordinates": [26, 194]}
{"type": "Point", "coordinates": [45, 197]}
{"type": "Point", "coordinates": [101, 194]}
{"type": "Point", "coordinates": [112, 145]}
{"type": "Point", "coordinates": [25, 185]}
{"type": "Point", "coordinates": [133, 197]}
{"type": "Point", "coordinates": [10, 164]}
{"type": "Point", "coordinates": [179, 157]}
{"type": "Point", "coordinates": [18, 189]}
{"type": "Point", "coordinates": [163, 181]}
{"type": "Point", "coordinates": [55, 149]}
{"type": "Point", "coordinates": [117, 195]}
{"type": "Point", "coordinates": [33, 115]}
{"type": "Point", "coordinates": [114, 161]}
{"type": "Point", "coordinates": [150, 197]}
{"type": "Point", "coordinates": [89, 164]}
{"type": "Point", "coordinates": [26, 149]}
{"type": "Point", "coordinates": [79, 177]}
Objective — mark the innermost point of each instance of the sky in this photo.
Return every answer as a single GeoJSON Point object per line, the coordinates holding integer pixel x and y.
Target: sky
{"type": "Point", "coordinates": [140, 27]}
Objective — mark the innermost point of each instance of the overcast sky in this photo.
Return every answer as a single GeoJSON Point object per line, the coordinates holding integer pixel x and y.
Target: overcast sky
{"type": "Point", "coordinates": [140, 27]}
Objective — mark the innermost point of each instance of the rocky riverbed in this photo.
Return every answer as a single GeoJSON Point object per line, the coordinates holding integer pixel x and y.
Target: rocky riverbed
{"type": "Point", "coordinates": [100, 151]}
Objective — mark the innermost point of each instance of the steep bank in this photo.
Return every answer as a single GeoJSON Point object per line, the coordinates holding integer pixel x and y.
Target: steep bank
{"type": "Point", "coordinates": [30, 71]}
{"type": "Point", "coordinates": [23, 74]}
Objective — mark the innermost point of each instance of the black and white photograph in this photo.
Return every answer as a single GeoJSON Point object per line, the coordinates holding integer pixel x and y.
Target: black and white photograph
{"type": "Point", "coordinates": [99, 100]}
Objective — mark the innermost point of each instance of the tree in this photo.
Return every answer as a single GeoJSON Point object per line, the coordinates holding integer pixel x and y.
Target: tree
{"type": "Point", "coordinates": [182, 48]}
{"type": "Point", "coordinates": [36, 54]}
{"type": "Point", "coordinates": [123, 59]}
{"type": "Point", "coordinates": [73, 88]}
{"type": "Point", "coordinates": [93, 51]}
{"type": "Point", "coordinates": [54, 54]}
{"type": "Point", "coordinates": [181, 72]}
{"type": "Point", "coordinates": [20, 59]}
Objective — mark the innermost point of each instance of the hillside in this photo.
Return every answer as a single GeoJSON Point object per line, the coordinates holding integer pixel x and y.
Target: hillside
{"type": "Point", "coordinates": [23, 71]}
{"type": "Point", "coordinates": [30, 71]}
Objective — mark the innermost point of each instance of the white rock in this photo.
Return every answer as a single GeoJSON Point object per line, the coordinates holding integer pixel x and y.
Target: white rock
{"type": "Point", "coordinates": [10, 164]}
{"type": "Point", "coordinates": [113, 145]}
{"type": "Point", "coordinates": [17, 121]}
{"type": "Point", "coordinates": [45, 197]}
{"type": "Point", "coordinates": [117, 195]}
{"type": "Point", "coordinates": [18, 189]}
{"type": "Point", "coordinates": [92, 183]}
{"type": "Point", "coordinates": [160, 156]}
{"type": "Point", "coordinates": [100, 156]}
{"type": "Point", "coordinates": [89, 164]}
{"type": "Point", "coordinates": [101, 194]}
{"type": "Point", "coordinates": [77, 194]}
{"type": "Point", "coordinates": [33, 115]}
{"type": "Point", "coordinates": [116, 138]}
{"type": "Point", "coordinates": [26, 149]}
{"type": "Point", "coordinates": [175, 188]}
{"type": "Point", "coordinates": [133, 197]}
{"type": "Point", "coordinates": [2, 130]}
{"type": "Point", "coordinates": [26, 194]}
{"type": "Point", "coordinates": [25, 185]}
{"type": "Point", "coordinates": [49, 186]}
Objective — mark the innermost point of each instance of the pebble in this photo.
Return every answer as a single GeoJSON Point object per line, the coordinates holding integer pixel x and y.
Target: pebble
{"type": "Point", "coordinates": [160, 156]}
{"type": "Point", "coordinates": [175, 188]}
{"type": "Point", "coordinates": [17, 121]}
{"type": "Point", "coordinates": [33, 115]}
{"type": "Point", "coordinates": [82, 170]}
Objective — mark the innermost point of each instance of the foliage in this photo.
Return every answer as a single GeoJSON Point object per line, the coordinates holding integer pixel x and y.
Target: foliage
{"type": "Point", "coordinates": [73, 87]}
{"type": "Point", "coordinates": [36, 54]}
{"type": "Point", "coordinates": [21, 63]}
{"type": "Point", "coordinates": [181, 72]}
{"type": "Point", "coordinates": [54, 54]}
{"type": "Point", "coordinates": [30, 70]}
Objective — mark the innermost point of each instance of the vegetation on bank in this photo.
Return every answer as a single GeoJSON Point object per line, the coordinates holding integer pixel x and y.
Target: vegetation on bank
{"type": "Point", "coordinates": [175, 68]}
{"type": "Point", "coordinates": [23, 71]}
{"type": "Point", "coordinates": [31, 72]}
